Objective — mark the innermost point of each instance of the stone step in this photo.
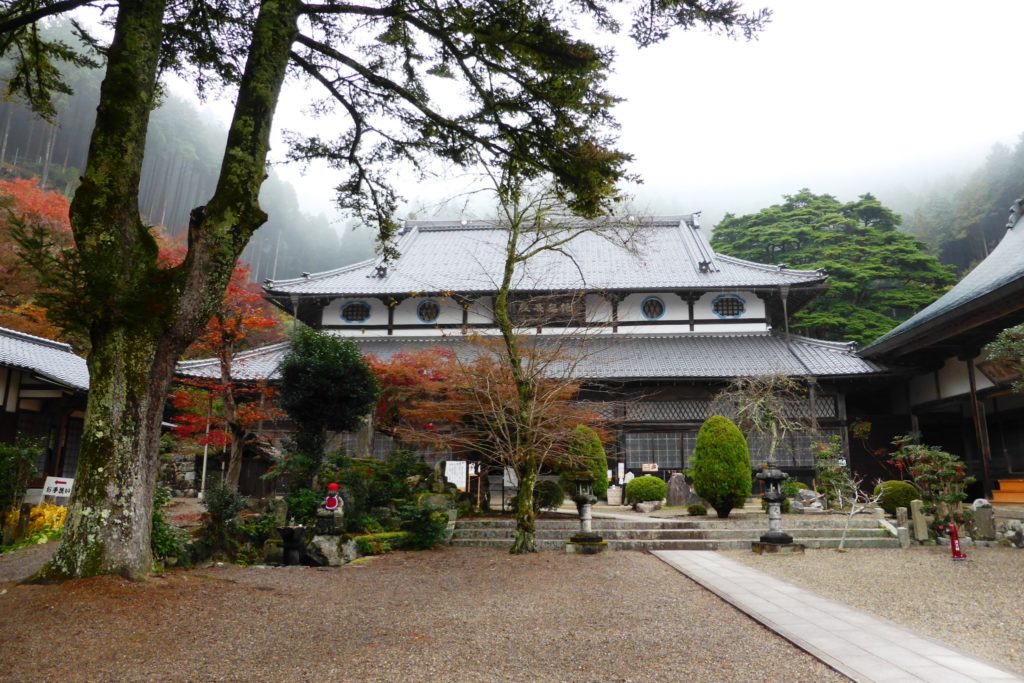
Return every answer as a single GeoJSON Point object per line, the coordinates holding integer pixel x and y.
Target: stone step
{"type": "Point", "coordinates": [675, 534]}
{"type": "Point", "coordinates": [706, 544]}
{"type": "Point", "coordinates": [570, 523]}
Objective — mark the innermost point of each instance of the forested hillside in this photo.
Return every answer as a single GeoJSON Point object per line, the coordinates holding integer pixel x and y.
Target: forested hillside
{"type": "Point", "coordinates": [182, 157]}
{"type": "Point", "coordinates": [961, 220]}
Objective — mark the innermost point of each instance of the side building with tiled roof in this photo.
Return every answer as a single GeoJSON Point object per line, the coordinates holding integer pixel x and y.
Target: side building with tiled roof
{"type": "Point", "coordinates": [43, 386]}
{"type": "Point", "coordinates": [664, 321]}
{"type": "Point", "coordinates": [956, 397]}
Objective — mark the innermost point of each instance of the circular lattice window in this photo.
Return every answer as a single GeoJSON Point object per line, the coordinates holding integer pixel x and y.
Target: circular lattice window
{"type": "Point", "coordinates": [728, 306]}
{"type": "Point", "coordinates": [652, 308]}
{"type": "Point", "coordinates": [428, 311]}
{"type": "Point", "coordinates": [356, 312]}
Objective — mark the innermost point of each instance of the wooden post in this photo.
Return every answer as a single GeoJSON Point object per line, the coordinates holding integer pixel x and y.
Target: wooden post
{"type": "Point", "coordinates": [980, 431]}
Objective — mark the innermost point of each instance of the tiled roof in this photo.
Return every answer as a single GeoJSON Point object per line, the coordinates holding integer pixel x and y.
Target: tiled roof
{"type": "Point", "coordinates": [45, 358]}
{"type": "Point", "coordinates": [248, 366]}
{"type": "Point", "coordinates": [623, 356]}
{"type": "Point", "coordinates": [442, 256]}
{"type": "Point", "coordinates": [1002, 269]}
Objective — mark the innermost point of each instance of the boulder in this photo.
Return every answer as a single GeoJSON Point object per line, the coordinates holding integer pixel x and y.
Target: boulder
{"type": "Point", "coordinates": [326, 551]}
{"type": "Point", "coordinates": [680, 493]}
{"type": "Point", "coordinates": [648, 507]}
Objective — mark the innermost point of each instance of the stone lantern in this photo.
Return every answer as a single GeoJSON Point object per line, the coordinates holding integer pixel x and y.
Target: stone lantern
{"type": "Point", "coordinates": [773, 478]}
{"type": "Point", "coordinates": [585, 541]}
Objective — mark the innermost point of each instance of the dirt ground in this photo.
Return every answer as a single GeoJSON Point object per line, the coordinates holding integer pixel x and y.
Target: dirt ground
{"type": "Point", "coordinates": [454, 614]}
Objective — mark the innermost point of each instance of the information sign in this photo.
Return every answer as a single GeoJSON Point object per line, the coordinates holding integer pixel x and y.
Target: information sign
{"type": "Point", "coordinates": [58, 486]}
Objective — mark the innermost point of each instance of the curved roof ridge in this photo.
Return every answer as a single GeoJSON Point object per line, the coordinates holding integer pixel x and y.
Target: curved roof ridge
{"type": "Point", "coordinates": [818, 273]}
{"type": "Point", "coordinates": [33, 339]}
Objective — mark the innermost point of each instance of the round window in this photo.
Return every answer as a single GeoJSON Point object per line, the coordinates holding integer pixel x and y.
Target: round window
{"type": "Point", "coordinates": [728, 306]}
{"type": "Point", "coordinates": [652, 308]}
{"type": "Point", "coordinates": [428, 311]}
{"type": "Point", "coordinates": [356, 312]}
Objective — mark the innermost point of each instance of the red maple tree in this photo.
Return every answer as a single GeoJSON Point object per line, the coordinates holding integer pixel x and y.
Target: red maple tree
{"type": "Point", "coordinates": [24, 203]}
{"type": "Point", "coordinates": [232, 408]}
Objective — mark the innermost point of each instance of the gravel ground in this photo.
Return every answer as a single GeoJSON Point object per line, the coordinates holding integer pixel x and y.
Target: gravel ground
{"type": "Point", "coordinates": [972, 605]}
{"type": "Point", "coordinates": [457, 614]}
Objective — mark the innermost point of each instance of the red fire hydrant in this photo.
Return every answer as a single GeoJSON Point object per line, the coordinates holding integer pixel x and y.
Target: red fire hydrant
{"type": "Point", "coordinates": [954, 543]}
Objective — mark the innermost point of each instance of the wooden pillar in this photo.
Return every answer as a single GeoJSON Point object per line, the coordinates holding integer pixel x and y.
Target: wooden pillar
{"type": "Point", "coordinates": [391, 303]}
{"type": "Point", "coordinates": [980, 431]}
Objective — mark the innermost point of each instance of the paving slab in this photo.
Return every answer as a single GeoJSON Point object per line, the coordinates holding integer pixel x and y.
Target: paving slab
{"type": "Point", "coordinates": [854, 643]}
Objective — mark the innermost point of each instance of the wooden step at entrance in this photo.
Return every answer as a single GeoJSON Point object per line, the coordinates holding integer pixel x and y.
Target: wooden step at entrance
{"type": "Point", "coordinates": [1010, 491]}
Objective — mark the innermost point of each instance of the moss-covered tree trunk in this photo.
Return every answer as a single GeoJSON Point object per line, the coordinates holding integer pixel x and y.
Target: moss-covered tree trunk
{"type": "Point", "coordinates": [519, 453]}
{"type": "Point", "coordinates": [141, 316]}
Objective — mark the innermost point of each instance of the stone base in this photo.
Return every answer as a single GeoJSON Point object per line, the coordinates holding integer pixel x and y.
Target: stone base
{"type": "Point", "coordinates": [777, 537]}
{"type": "Point", "coordinates": [586, 547]}
{"type": "Point", "coordinates": [762, 548]}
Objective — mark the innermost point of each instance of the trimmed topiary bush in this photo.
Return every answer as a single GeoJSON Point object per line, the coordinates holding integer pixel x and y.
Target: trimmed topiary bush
{"type": "Point", "coordinates": [696, 510]}
{"type": "Point", "coordinates": [645, 488]}
{"type": "Point", "coordinates": [896, 494]}
{"type": "Point", "coordinates": [547, 495]}
{"type": "Point", "coordinates": [721, 465]}
{"type": "Point", "coordinates": [586, 447]}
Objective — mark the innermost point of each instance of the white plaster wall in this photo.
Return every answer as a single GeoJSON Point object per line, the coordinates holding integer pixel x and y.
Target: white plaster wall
{"type": "Point", "coordinates": [675, 308]}
{"type": "Point", "coordinates": [752, 303]}
{"type": "Point", "coordinates": [598, 309]}
{"type": "Point", "coordinates": [954, 379]}
{"type": "Point", "coordinates": [450, 313]}
{"type": "Point", "coordinates": [332, 312]}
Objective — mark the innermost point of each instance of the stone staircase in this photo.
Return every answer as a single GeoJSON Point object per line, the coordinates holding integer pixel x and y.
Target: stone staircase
{"type": "Point", "coordinates": [1010, 491]}
{"type": "Point", "coordinates": [678, 534]}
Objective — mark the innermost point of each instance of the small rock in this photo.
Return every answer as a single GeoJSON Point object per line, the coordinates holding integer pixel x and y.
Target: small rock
{"type": "Point", "coordinates": [648, 507]}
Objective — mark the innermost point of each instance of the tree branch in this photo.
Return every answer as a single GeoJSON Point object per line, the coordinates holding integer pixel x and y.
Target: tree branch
{"type": "Point", "coordinates": [12, 24]}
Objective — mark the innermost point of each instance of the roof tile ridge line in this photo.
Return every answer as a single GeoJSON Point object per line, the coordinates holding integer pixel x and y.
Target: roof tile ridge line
{"type": "Point", "coordinates": [685, 335]}
{"type": "Point", "coordinates": [684, 229]}
{"type": "Point", "coordinates": [787, 341]}
{"type": "Point", "coordinates": [768, 267]}
{"type": "Point", "coordinates": [41, 341]}
{"type": "Point", "coordinates": [266, 348]}
{"type": "Point", "coordinates": [451, 225]}
{"type": "Point", "coordinates": [370, 262]}
{"type": "Point", "coordinates": [838, 345]}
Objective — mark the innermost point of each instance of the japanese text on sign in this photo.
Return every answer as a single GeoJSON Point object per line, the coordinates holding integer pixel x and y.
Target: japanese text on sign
{"type": "Point", "coordinates": [58, 486]}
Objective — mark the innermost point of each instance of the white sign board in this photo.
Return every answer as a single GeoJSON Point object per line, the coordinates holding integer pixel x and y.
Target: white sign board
{"type": "Point", "coordinates": [509, 479]}
{"type": "Point", "coordinates": [622, 470]}
{"type": "Point", "coordinates": [58, 486]}
{"type": "Point", "coordinates": [455, 472]}
{"type": "Point", "coordinates": [649, 467]}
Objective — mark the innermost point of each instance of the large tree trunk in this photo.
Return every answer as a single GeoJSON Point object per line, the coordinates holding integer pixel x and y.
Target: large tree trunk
{"type": "Point", "coordinates": [526, 520]}
{"type": "Point", "coordinates": [141, 317]}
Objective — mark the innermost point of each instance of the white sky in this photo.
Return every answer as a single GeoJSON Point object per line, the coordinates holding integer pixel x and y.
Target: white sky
{"type": "Point", "coordinates": [841, 96]}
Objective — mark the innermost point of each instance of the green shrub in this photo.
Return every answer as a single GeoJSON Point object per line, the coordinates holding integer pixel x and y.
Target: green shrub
{"type": "Point", "coordinates": [165, 539]}
{"type": "Point", "coordinates": [696, 510]}
{"type": "Point", "coordinates": [302, 506]}
{"type": "Point", "coordinates": [378, 544]}
{"type": "Point", "coordinates": [587, 450]}
{"type": "Point", "coordinates": [791, 488]}
{"type": "Point", "coordinates": [17, 466]}
{"type": "Point", "coordinates": [257, 528]}
{"type": "Point", "coordinates": [896, 494]}
{"type": "Point", "coordinates": [784, 506]}
{"type": "Point", "coordinates": [645, 488]}
{"type": "Point", "coordinates": [547, 495]}
{"type": "Point", "coordinates": [721, 465]}
{"type": "Point", "coordinates": [223, 505]}
{"type": "Point", "coordinates": [425, 525]}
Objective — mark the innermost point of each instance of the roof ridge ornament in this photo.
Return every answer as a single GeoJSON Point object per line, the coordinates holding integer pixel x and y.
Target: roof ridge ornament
{"type": "Point", "coordinates": [1016, 209]}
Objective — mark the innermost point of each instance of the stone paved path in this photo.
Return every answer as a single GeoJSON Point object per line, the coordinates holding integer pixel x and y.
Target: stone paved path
{"type": "Point", "coordinates": [858, 645]}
